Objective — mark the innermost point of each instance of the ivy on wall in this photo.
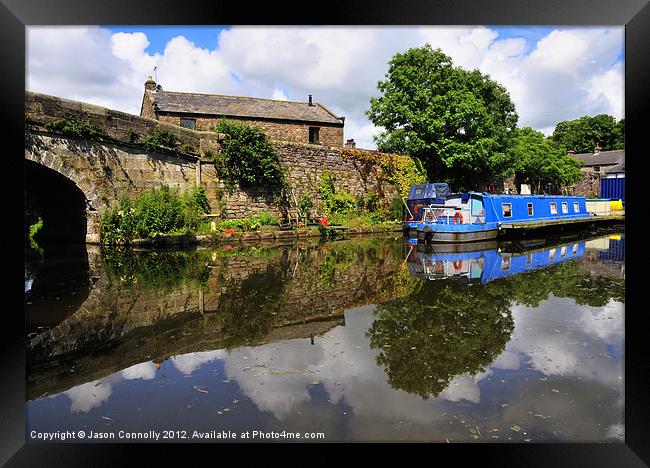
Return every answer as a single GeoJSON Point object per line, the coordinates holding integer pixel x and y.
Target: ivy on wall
{"type": "Point", "coordinates": [399, 170]}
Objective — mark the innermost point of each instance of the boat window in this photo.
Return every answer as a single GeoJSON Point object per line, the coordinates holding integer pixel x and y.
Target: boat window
{"type": "Point", "coordinates": [563, 251]}
{"type": "Point", "coordinates": [530, 209]}
{"type": "Point", "coordinates": [576, 207]}
{"type": "Point", "coordinates": [565, 207]}
{"type": "Point", "coordinates": [506, 208]}
{"type": "Point", "coordinates": [505, 262]}
{"type": "Point", "coordinates": [575, 249]}
{"type": "Point", "coordinates": [551, 254]}
{"type": "Point", "coordinates": [478, 211]}
{"type": "Point", "coordinates": [419, 191]}
{"type": "Point", "coordinates": [553, 208]}
{"type": "Point", "coordinates": [529, 259]}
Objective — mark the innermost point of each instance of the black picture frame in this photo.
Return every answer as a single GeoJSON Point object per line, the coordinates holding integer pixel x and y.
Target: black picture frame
{"type": "Point", "coordinates": [15, 15]}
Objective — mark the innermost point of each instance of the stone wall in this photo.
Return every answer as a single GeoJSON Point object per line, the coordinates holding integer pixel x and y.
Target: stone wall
{"type": "Point", "coordinates": [305, 165]}
{"type": "Point", "coordinates": [42, 108]}
{"type": "Point", "coordinates": [588, 185]}
{"type": "Point", "coordinates": [281, 130]}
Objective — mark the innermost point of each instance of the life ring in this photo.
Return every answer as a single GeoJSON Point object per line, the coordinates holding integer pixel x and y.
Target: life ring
{"type": "Point", "coordinates": [458, 218]}
{"type": "Point", "coordinates": [458, 264]}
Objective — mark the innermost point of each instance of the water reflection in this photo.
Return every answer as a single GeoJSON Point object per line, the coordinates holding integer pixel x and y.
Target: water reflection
{"type": "Point", "coordinates": [370, 339]}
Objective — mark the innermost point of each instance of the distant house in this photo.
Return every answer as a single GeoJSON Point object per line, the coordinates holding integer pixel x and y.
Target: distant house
{"type": "Point", "coordinates": [302, 122]}
{"type": "Point", "coordinates": [608, 164]}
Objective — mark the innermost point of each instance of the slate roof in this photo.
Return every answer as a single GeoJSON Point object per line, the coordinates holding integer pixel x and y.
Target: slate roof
{"type": "Point", "coordinates": [620, 167]}
{"type": "Point", "coordinates": [241, 106]}
{"type": "Point", "coordinates": [603, 158]}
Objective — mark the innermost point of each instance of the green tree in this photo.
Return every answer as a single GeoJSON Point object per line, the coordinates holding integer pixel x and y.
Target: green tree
{"type": "Point", "coordinates": [540, 162]}
{"type": "Point", "coordinates": [583, 134]}
{"type": "Point", "coordinates": [247, 156]}
{"type": "Point", "coordinates": [458, 123]}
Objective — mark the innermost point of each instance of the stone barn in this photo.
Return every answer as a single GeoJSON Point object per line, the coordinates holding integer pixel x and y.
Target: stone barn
{"type": "Point", "coordinates": [298, 122]}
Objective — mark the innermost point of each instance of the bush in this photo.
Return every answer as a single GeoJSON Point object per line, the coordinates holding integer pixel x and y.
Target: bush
{"type": "Point", "coordinates": [250, 223]}
{"type": "Point", "coordinates": [154, 213]}
{"type": "Point", "coordinates": [247, 156]}
{"type": "Point", "coordinates": [343, 202]}
{"type": "Point", "coordinates": [74, 127]}
{"type": "Point", "coordinates": [160, 138]}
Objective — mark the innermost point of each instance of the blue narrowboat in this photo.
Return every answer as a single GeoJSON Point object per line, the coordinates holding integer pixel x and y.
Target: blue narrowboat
{"type": "Point", "coordinates": [474, 216]}
{"type": "Point", "coordinates": [482, 266]}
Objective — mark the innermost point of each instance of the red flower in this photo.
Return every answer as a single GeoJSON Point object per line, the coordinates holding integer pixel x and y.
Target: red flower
{"type": "Point", "coordinates": [229, 231]}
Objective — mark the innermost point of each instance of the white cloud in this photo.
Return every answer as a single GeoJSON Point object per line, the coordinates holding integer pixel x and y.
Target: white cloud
{"type": "Point", "coordinates": [568, 73]}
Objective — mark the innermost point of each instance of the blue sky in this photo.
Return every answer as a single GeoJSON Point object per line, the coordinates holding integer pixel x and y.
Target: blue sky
{"type": "Point", "coordinates": [552, 73]}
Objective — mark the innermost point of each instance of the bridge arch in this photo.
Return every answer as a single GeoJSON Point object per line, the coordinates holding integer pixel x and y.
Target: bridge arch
{"type": "Point", "coordinates": [93, 203]}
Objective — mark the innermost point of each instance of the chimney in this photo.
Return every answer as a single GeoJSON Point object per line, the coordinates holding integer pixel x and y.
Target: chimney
{"type": "Point", "coordinates": [150, 84]}
{"type": "Point", "coordinates": [350, 143]}
{"type": "Point", "coordinates": [310, 102]}
{"type": "Point", "coordinates": [597, 148]}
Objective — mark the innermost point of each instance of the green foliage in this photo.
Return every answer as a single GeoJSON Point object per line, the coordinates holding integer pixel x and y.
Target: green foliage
{"type": "Point", "coordinates": [456, 122]}
{"type": "Point", "coordinates": [134, 137]}
{"type": "Point", "coordinates": [247, 157]}
{"type": "Point", "coordinates": [326, 191]}
{"type": "Point", "coordinates": [581, 135]}
{"type": "Point", "coordinates": [160, 138]}
{"type": "Point", "coordinates": [395, 209]}
{"type": "Point", "coordinates": [540, 162]}
{"type": "Point", "coordinates": [250, 223]}
{"type": "Point", "coordinates": [34, 229]}
{"type": "Point", "coordinates": [154, 213]}
{"type": "Point", "coordinates": [155, 270]}
{"type": "Point", "coordinates": [304, 206]}
{"type": "Point", "coordinates": [335, 201]}
{"type": "Point", "coordinates": [74, 127]}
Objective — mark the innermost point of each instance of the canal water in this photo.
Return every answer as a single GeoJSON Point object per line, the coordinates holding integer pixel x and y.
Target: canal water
{"type": "Point", "coordinates": [367, 339]}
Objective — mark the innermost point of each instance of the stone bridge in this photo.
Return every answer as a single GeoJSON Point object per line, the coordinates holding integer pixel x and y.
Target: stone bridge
{"type": "Point", "coordinates": [75, 179]}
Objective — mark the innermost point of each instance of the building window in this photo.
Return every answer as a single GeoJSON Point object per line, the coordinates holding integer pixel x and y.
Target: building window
{"type": "Point", "coordinates": [530, 209]}
{"type": "Point", "coordinates": [576, 207]}
{"type": "Point", "coordinates": [553, 208]}
{"type": "Point", "coordinates": [565, 207]}
{"type": "Point", "coordinates": [313, 135]}
{"type": "Point", "coordinates": [506, 209]}
{"type": "Point", "coordinates": [188, 123]}
{"type": "Point", "coordinates": [596, 168]}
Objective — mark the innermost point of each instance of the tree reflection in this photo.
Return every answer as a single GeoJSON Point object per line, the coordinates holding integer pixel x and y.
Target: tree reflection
{"type": "Point", "coordinates": [443, 329]}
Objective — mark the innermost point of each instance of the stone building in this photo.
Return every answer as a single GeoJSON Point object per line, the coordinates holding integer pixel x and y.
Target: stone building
{"type": "Point", "coordinates": [602, 163]}
{"type": "Point", "coordinates": [298, 122]}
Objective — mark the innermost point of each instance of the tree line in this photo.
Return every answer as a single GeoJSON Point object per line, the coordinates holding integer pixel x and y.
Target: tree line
{"type": "Point", "coordinates": [462, 126]}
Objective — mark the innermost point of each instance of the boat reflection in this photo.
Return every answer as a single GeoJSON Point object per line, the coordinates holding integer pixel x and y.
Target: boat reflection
{"type": "Point", "coordinates": [486, 261]}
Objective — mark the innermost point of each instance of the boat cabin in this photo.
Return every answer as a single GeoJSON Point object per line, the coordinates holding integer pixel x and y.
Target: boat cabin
{"type": "Point", "coordinates": [423, 195]}
{"type": "Point", "coordinates": [482, 208]}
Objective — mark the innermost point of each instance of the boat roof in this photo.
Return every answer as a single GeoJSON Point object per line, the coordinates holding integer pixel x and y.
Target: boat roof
{"type": "Point", "coordinates": [506, 195]}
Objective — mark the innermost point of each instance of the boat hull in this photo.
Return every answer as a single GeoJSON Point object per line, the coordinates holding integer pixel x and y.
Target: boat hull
{"type": "Point", "coordinates": [457, 236]}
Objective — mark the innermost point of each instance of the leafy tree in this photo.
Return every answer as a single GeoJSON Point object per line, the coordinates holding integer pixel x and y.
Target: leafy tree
{"type": "Point", "coordinates": [247, 156]}
{"type": "Point", "coordinates": [540, 162]}
{"type": "Point", "coordinates": [458, 123]}
{"type": "Point", "coordinates": [581, 135]}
